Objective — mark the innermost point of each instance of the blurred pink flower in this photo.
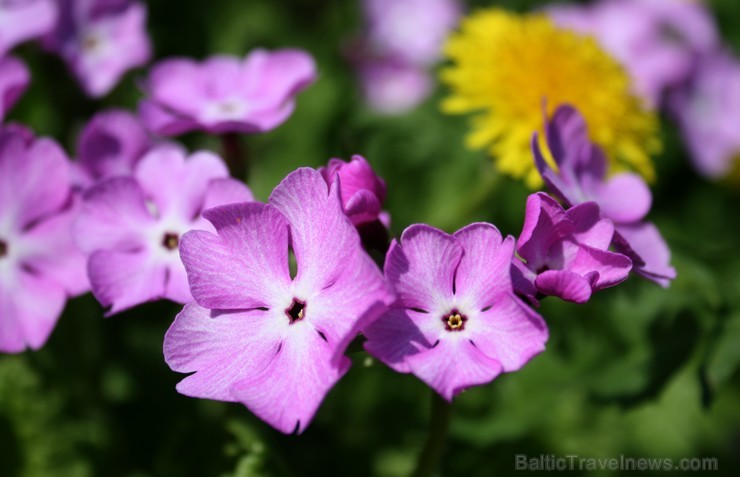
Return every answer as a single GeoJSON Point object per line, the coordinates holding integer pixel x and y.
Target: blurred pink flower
{"type": "Point", "coordinates": [22, 20]}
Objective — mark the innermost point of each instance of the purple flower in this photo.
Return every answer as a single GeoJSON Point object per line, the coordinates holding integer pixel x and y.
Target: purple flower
{"type": "Point", "coordinates": [22, 20]}
{"type": "Point", "coordinates": [100, 40]}
{"type": "Point", "coordinates": [392, 87]}
{"type": "Point", "coordinates": [411, 31]}
{"type": "Point", "coordinates": [708, 112]}
{"type": "Point", "coordinates": [624, 198]}
{"type": "Point", "coordinates": [130, 227]}
{"type": "Point", "coordinates": [14, 79]}
{"type": "Point", "coordinates": [362, 191]}
{"type": "Point", "coordinates": [258, 336]}
{"type": "Point", "coordinates": [111, 144]}
{"type": "Point", "coordinates": [565, 253]}
{"type": "Point", "coordinates": [226, 94]}
{"type": "Point", "coordinates": [457, 322]}
{"type": "Point", "coordinates": [657, 41]}
{"type": "Point", "coordinates": [40, 266]}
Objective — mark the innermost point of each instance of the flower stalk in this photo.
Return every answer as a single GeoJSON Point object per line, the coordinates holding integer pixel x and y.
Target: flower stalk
{"type": "Point", "coordinates": [438, 426]}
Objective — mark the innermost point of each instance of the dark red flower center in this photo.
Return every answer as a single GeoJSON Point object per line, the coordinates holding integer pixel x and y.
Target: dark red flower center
{"type": "Point", "coordinates": [454, 321]}
{"type": "Point", "coordinates": [170, 241]}
{"type": "Point", "coordinates": [296, 311]}
{"type": "Point", "coordinates": [3, 249]}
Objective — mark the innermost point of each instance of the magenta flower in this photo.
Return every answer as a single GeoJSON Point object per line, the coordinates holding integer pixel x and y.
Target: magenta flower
{"type": "Point", "coordinates": [624, 198]}
{"type": "Point", "coordinates": [14, 79]}
{"type": "Point", "coordinates": [457, 322]}
{"type": "Point", "coordinates": [22, 20]}
{"type": "Point", "coordinates": [658, 41]}
{"type": "Point", "coordinates": [392, 87]}
{"type": "Point", "coordinates": [362, 191]}
{"type": "Point", "coordinates": [226, 94]}
{"type": "Point", "coordinates": [100, 40]}
{"type": "Point", "coordinates": [130, 227]}
{"type": "Point", "coordinates": [258, 336]}
{"type": "Point", "coordinates": [708, 112]}
{"type": "Point", "coordinates": [566, 253]}
{"type": "Point", "coordinates": [40, 267]}
{"type": "Point", "coordinates": [412, 31]}
{"type": "Point", "coordinates": [111, 144]}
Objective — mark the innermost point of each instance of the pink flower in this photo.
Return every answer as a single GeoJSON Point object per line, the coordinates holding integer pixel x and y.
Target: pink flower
{"type": "Point", "coordinates": [130, 227]}
{"type": "Point", "coordinates": [40, 266]}
{"type": "Point", "coordinates": [566, 253]}
{"type": "Point", "coordinates": [708, 112]}
{"type": "Point", "coordinates": [362, 191]}
{"type": "Point", "coordinates": [111, 144]}
{"type": "Point", "coordinates": [624, 198]}
{"type": "Point", "coordinates": [258, 336]}
{"type": "Point", "coordinates": [100, 40]}
{"type": "Point", "coordinates": [457, 322]}
{"type": "Point", "coordinates": [225, 94]}
{"type": "Point", "coordinates": [392, 87]}
{"type": "Point", "coordinates": [14, 79]}
{"type": "Point", "coordinates": [22, 20]}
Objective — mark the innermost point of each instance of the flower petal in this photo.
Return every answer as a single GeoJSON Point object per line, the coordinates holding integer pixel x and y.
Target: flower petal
{"type": "Point", "coordinates": [121, 280]}
{"type": "Point", "coordinates": [545, 224]}
{"type": "Point", "coordinates": [564, 284]}
{"type": "Point", "coordinates": [421, 267]}
{"type": "Point", "coordinates": [612, 268]}
{"type": "Point", "coordinates": [451, 367]}
{"type": "Point", "coordinates": [245, 265]}
{"type": "Point", "coordinates": [624, 198]}
{"type": "Point", "coordinates": [393, 337]}
{"type": "Point", "coordinates": [651, 257]}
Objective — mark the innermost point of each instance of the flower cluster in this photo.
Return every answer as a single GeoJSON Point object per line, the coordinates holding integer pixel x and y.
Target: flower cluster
{"type": "Point", "coordinates": [392, 57]}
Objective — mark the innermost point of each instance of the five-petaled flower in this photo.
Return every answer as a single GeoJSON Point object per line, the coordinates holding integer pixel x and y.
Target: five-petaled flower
{"type": "Point", "coordinates": [225, 94]}
{"type": "Point", "coordinates": [457, 322]}
{"type": "Point", "coordinates": [100, 40]}
{"type": "Point", "coordinates": [40, 266]}
{"type": "Point", "coordinates": [257, 336]}
{"type": "Point", "coordinates": [566, 253]}
{"type": "Point", "coordinates": [624, 198]}
{"type": "Point", "coordinates": [130, 227]}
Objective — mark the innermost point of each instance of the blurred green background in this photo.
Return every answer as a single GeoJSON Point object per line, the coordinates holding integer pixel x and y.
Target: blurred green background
{"type": "Point", "coordinates": [639, 371]}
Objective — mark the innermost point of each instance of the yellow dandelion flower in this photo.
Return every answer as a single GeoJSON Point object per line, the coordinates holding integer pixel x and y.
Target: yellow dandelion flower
{"type": "Point", "coordinates": [506, 66]}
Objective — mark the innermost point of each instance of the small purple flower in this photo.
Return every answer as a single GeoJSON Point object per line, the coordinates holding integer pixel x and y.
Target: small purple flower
{"type": "Point", "coordinates": [111, 144]}
{"type": "Point", "coordinates": [226, 94]}
{"type": "Point", "coordinates": [411, 31]}
{"type": "Point", "coordinates": [40, 267]}
{"type": "Point", "coordinates": [624, 198]}
{"type": "Point", "coordinates": [130, 227]}
{"type": "Point", "coordinates": [457, 322]}
{"type": "Point", "coordinates": [14, 79]}
{"type": "Point", "coordinates": [258, 336]}
{"type": "Point", "coordinates": [565, 253]}
{"type": "Point", "coordinates": [708, 112]}
{"type": "Point", "coordinates": [362, 191]}
{"type": "Point", "coordinates": [22, 20]}
{"type": "Point", "coordinates": [100, 40]}
{"type": "Point", "coordinates": [658, 41]}
{"type": "Point", "coordinates": [392, 87]}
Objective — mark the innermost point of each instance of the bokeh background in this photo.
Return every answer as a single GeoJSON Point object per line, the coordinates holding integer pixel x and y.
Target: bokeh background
{"type": "Point", "coordinates": [638, 371]}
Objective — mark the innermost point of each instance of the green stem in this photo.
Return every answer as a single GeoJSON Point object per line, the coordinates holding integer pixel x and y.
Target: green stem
{"type": "Point", "coordinates": [236, 155]}
{"type": "Point", "coordinates": [434, 447]}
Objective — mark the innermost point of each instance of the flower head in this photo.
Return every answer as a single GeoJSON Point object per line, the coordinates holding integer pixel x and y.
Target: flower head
{"type": "Point", "coordinates": [40, 266]}
{"type": "Point", "coordinates": [362, 191]}
{"type": "Point", "coordinates": [392, 87]}
{"type": "Point", "coordinates": [657, 41]}
{"type": "Point", "coordinates": [14, 79]}
{"type": "Point", "coordinates": [130, 227]}
{"type": "Point", "coordinates": [566, 253]}
{"type": "Point", "coordinates": [708, 112]}
{"type": "Point", "coordinates": [111, 144]}
{"type": "Point", "coordinates": [100, 40]}
{"type": "Point", "coordinates": [226, 94]}
{"type": "Point", "coordinates": [22, 20]}
{"type": "Point", "coordinates": [457, 322]}
{"type": "Point", "coordinates": [257, 336]}
{"type": "Point", "coordinates": [507, 65]}
{"type": "Point", "coordinates": [623, 198]}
